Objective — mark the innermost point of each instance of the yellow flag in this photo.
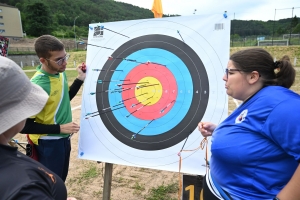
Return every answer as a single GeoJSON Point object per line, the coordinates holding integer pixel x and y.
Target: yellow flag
{"type": "Point", "coordinates": [157, 9]}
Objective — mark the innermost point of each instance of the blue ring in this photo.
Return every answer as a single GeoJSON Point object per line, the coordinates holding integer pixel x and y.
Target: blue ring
{"type": "Point", "coordinates": [183, 100]}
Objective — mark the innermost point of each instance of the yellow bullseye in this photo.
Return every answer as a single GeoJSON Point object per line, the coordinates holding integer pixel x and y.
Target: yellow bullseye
{"type": "Point", "coordinates": [152, 87]}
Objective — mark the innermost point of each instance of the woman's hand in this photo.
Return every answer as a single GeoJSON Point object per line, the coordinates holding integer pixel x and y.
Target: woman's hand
{"type": "Point", "coordinates": [206, 128]}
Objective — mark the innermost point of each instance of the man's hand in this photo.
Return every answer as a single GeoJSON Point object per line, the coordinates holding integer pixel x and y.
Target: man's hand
{"type": "Point", "coordinates": [81, 71]}
{"type": "Point", "coordinates": [69, 128]}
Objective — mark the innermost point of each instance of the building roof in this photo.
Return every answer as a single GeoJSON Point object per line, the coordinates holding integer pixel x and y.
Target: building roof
{"type": "Point", "coordinates": [5, 5]}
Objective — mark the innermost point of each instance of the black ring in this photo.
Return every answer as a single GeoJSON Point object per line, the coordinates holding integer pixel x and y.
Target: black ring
{"type": "Point", "coordinates": [195, 112]}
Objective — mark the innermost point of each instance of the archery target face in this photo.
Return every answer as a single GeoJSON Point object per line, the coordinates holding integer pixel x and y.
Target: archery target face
{"type": "Point", "coordinates": [165, 92]}
{"type": "Point", "coordinates": [149, 91]}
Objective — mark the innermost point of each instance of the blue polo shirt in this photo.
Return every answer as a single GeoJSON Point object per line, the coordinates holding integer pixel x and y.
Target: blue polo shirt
{"type": "Point", "coordinates": [256, 150]}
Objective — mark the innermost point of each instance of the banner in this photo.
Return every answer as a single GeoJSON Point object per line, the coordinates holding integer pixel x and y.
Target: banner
{"type": "Point", "coordinates": [4, 46]}
{"type": "Point", "coordinates": [157, 9]}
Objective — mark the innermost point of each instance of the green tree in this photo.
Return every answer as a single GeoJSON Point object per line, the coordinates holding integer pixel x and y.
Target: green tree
{"type": "Point", "coordinates": [294, 22]}
{"type": "Point", "coordinates": [38, 19]}
{"type": "Point", "coordinates": [281, 31]}
{"type": "Point", "coordinates": [296, 30]}
{"type": "Point", "coordinates": [235, 37]}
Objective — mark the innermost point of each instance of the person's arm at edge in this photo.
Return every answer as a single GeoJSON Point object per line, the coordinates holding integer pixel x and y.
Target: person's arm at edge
{"type": "Point", "coordinates": [291, 190]}
{"type": "Point", "coordinates": [288, 127]}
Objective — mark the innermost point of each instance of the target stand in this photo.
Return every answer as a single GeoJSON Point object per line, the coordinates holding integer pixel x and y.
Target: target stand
{"type": "Point", "coordinates": [149, 83]}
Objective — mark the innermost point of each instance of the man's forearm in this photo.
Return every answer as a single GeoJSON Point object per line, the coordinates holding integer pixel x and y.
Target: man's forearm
{"type": "Point", "coordinates": [74, 88]}
{"type": "Point", "coordinates": [32, 127]}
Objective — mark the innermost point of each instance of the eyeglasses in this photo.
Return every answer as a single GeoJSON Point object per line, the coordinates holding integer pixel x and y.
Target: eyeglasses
{"type": "Point", "coordinates": [60, 61]}
{"type": "Point", "coordinates": [231, 70]}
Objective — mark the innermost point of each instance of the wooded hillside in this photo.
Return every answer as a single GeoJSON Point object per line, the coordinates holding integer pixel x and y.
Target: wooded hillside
{"type": "Point", "coordinates": [57, 17]}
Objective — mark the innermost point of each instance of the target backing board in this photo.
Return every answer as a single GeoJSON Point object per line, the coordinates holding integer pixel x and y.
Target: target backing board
{"type": "Point", "coordinates": [149, 83]}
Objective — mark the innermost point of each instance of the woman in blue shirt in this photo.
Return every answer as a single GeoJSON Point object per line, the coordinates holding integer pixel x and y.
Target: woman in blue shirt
{"type": "Point", "coordinates": [256, 150]}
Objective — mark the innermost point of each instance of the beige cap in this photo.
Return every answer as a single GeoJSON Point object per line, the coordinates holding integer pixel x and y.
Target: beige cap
{"type": "Point", "coordinates": [19, 98]}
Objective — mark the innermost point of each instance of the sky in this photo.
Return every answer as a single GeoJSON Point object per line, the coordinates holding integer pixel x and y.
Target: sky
{"type": "Point", "coordinates": [263, 10]}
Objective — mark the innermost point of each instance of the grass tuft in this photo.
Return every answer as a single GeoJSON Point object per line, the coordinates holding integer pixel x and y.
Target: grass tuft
{"type": "Point", "coordinates": [163, 192]}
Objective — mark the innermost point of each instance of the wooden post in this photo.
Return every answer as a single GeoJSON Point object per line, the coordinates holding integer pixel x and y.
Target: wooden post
{"type": "Point", "coordinates": [107, 181]}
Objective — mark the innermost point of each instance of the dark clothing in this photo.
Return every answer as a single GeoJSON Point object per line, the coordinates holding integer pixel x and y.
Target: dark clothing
{"type": "Point", "coordinates": [31, 127]}
{"type": "Point", "coordinates": [54, 154]}
{"type": "Point", "coordinates": [74, 88]}
{"type": "Point", "coordinates": [35, 128]}
{"type": "Point", "coordinates": [23, 178]}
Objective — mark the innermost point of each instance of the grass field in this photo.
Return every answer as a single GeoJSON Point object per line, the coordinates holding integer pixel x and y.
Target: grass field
{"type": "Point", "coordinates": [276, 51]}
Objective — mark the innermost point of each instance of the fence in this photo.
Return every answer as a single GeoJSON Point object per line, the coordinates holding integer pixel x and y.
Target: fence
{"type": "Point", "coordinates": [287, 36]}
{"type": "Point", "coordinates": [273, 43]}
{"type": "Point", "coordinates": [255, 40]}
{"type": "Point", "coordinates": [30, 50]}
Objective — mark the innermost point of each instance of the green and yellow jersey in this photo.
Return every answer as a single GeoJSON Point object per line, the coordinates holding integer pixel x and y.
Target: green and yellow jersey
{"type": "Point", "coordinates": [58, 108]}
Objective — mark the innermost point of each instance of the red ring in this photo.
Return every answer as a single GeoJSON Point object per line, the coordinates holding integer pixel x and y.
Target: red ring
{"type": "Point", "coordinates": [169, 94]}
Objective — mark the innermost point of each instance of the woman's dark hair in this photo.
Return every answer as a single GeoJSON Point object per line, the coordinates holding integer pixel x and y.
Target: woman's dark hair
{"type": "Point", "coordinates": [257, 59]}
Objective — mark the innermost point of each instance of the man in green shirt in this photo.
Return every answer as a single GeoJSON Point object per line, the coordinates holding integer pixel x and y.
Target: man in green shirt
{"type": "Point", "coordinates": [51, 128]}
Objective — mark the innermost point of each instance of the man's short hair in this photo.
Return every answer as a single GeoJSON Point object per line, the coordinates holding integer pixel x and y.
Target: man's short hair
{"type": "Point", "coordinates": [47, 43]}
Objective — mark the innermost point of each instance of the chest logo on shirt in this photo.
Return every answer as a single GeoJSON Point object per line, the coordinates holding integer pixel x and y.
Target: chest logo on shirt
{"type": "Point", "coordinates": [241, 117]}
{"type": "Point", "coordinates": [54, 93]}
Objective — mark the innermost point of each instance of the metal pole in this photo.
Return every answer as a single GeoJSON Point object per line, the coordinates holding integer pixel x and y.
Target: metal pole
{"type": "Point", "coordinates": [75, 32]}
{"type": "Point", "coordinates": [273, 26]}
{"type": "Point", "coordinates": [291, 26]}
